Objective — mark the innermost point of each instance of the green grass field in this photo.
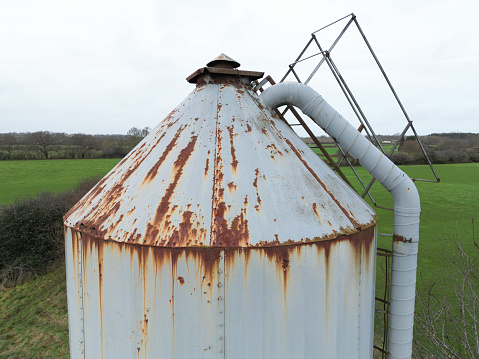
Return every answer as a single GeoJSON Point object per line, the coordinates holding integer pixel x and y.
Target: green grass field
{"type": "Point", "coordinates": [33, 318]}
{"type": "Point", "coordinates": [332, 149]}
{"type": "Point", "coordinates": [21, 179]}
{"type": "Point", "coordinates": [447, 208]}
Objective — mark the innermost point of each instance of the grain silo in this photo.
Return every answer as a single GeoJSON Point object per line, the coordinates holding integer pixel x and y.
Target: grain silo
{"type": "Point", "coordinates": [221, 235]}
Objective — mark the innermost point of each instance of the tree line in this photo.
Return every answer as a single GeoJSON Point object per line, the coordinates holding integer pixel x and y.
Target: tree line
{"type": "Point", "coordinates": [53, 145]}
{"type": "Point", "coordinates": [440, 147]}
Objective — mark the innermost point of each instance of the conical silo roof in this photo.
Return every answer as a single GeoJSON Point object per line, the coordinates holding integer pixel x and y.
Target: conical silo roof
{"type": "Point", "coordinates": [220, 170]}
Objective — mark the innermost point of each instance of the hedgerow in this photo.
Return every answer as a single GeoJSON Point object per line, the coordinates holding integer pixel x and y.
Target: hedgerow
{"type": "Point", "coordinates": [31, 233]}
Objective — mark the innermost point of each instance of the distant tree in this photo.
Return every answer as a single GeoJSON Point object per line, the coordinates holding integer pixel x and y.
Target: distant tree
{"type": "Point", "coordinates": [7, 143]}
{"type": "Point", "coordinates": [453, 144]}
{"type": "Point", "coordinates": [135, 135]}
{"type": "Point", "coordinates": [42, 141]}
{"type": "Point", "coordinates": [84, 144]}
{"type": "Point", "coordinates": [410, 152]}
{"type": "Point", "coordinates": [410, 146]}
{"type": "Point", "coordinates": [61, 138]}
{"type": "Point", "coordinates": [113, 146]}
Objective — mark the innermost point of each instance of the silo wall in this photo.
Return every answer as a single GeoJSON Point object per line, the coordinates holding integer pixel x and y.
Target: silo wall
{"type": "Point", "coordinates": [301, 300]}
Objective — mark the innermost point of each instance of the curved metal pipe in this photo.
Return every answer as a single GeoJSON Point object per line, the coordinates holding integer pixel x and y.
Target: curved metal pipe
{"type": "Point", "coordinates": [406, 203]}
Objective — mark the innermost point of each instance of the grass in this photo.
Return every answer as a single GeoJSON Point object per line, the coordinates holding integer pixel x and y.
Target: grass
{"type": "Point", "coordinates": [447, 208]}
{"type": "Point", "coordinates": [21, 179]}
{"type": "Point", "coordinates": [33, 318]}
{"type": "Point", "coordinates": [332, 149]}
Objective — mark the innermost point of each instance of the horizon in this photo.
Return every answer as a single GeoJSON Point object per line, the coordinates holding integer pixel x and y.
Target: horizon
{"type": "Point", "coordinates": [151, 130]}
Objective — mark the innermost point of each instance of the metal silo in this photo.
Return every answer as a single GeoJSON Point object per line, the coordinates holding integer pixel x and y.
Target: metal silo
{"type": "Point", "coordinates": [221, 235]}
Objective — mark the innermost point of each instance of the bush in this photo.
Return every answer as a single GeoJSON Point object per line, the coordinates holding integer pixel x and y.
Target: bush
{"type": "Point", "coordinates": [31, 233]}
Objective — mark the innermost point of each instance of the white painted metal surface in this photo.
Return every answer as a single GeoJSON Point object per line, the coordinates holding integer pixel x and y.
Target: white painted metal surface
{"type": "Point", "coordinates": [302, 301]}
{"type": "Point", "coordinates": [221, 235]}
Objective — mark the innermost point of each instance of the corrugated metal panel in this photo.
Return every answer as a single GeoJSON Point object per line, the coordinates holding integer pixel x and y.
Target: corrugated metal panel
{"type": "Point", "coordinates": [298, 301]}
{"type": "Point", "coordinates": [310, 301]}
{"type": "Point", "coordinates": [220, 171]}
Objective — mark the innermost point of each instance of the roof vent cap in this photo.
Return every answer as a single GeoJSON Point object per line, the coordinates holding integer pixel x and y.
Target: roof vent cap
{"type": "Point", "coordinates": [224, 62]}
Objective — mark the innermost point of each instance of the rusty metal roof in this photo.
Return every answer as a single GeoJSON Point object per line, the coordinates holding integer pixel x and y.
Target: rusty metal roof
{"type": "Point", "coordinates": [223, 60]}
{"type": "Point", "coordinates": [220, 170]}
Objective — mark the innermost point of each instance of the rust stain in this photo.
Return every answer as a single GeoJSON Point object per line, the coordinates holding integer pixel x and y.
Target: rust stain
{"type": "Point", "coordinates": [181, 280]}
{"type": "Point", "coordinates": [186, 233]}
{"type": "Point", "coordinates": [223, 233]}
{"type": "Point", "coordinates": [207, 166]}
{"type": "Point", "coordinates": [255, 185]}
{"type": "Point", "coordinates": [236, 234]}
{"type": "Point", "coordinates": [154, 170]}
{"type": "Point", "coordinates": [143, 272]}
{"type": "Point", "coordinates": [274, 150]}
{"type": "Point", "coordinates": [234, 161]}
{"type": "Point", "coordinates": [255, 182]}
{"type": "Point", "coordinates": [164, 205]}
{"type": "Point", "coordinates": [235, 256]}
{"type": "Point", "coordinates": [399, 238]}
{"type": "Point", "coordinates": [280, 255]}
{"type": "Point", "coordinates": [248, 128]}
{"type": "Point", "coordinates": [75, 244]}
{"type": "Point", "coordinates": [231, 186]}
{"type": "Point", "coordinates": [315, 209]}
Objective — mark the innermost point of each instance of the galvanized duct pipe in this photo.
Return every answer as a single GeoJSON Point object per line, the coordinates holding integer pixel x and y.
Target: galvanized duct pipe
{"type": "Point", "coordinates": [406, 203]}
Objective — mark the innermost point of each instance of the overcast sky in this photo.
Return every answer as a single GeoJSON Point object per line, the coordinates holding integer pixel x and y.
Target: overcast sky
{"type": "Point", "coordinates": [104, 66]}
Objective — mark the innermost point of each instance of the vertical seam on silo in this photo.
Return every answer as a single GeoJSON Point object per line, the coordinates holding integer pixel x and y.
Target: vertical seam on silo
{"type": "Point", "coordinates": [82, 294]}
{"type": "Point", "coordinates": [214, 192]}
{"type": "Point", "coordinates": [359, 302]}
{"type": "Point", "coordinates": [222, 291]}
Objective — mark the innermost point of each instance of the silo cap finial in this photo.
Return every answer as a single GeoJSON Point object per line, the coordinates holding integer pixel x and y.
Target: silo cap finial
{"type": "Point", "coordinates": [223, 61]}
